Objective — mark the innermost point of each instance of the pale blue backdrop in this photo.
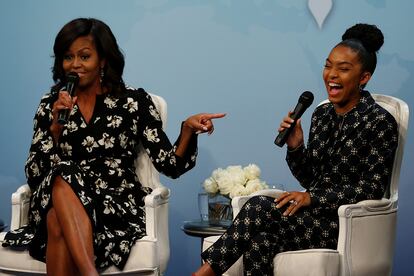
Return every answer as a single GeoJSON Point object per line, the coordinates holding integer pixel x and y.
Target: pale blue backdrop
{"type": "Point", "coordinates": [249, 58]}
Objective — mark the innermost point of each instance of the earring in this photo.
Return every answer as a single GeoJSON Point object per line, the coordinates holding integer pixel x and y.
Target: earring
{"type": "Point", "coordinates": [101, 74]}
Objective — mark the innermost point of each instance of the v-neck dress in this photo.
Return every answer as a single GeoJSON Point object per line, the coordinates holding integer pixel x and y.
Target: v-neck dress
{"type": "Point", "coordinates": [97, 160]}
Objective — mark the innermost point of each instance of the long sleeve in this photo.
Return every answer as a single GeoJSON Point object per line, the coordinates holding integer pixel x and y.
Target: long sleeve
{"type": "Point", "coordinates": [42, 153]}
{"type": "Point", "coordinates": [157, 144]}
{"type": "Point", "coordinates": [347, 163]}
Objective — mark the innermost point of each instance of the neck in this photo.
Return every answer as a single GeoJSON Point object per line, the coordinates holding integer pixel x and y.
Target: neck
{"type": "Point", "coordinates": [343, 108]}
{"type": "Point", "coordinates": [88, 91]}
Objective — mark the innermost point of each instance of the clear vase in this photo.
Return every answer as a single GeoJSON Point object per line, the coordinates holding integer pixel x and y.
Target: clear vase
{"type": "Point", "coordinates": [219, 209]}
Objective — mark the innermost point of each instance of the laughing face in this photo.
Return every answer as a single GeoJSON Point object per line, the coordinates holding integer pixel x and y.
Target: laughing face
{"type": "Point", "coordinates": [343, 76]}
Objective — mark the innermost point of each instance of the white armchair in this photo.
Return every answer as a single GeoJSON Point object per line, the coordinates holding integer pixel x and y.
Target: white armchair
{"type": "Point", "coordinates": [362, 249]}
{"type": "Point", "coordinates": [149, 255]}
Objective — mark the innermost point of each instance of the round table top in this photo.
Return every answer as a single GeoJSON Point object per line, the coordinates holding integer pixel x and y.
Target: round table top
{"type": "Point", "coordinates": [202, 229]}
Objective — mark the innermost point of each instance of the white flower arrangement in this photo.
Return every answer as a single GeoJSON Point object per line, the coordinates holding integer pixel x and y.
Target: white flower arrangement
{"type": "Point", "coordinates": [235, 181]}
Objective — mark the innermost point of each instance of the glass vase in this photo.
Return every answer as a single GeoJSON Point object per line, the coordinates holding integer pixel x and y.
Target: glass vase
{"type": "Point", "coordinates": [219, 209]}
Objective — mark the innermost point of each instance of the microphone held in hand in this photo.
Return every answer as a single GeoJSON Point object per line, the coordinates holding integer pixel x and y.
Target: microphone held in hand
{"type": "Point", "coordinates": [305, 100]}
{"type": "Point", "coordinates": [72, 80]}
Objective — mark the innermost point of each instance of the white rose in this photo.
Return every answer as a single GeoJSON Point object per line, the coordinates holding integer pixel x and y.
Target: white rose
{"type": "Point", "coordinates": [252, 171]}
{"type": "Point", "coordinates": [225, 183]}
{"type": "Point", "coordinates": [210, 185]}
{"type": "Point", "coordinates": [238, 190]}
{"type": "Point", "coordinates": [237, 174]}
{"type": "Point", "coordinates": [217, 173]}
{"type": "Point", "coordinates": [254, 185]}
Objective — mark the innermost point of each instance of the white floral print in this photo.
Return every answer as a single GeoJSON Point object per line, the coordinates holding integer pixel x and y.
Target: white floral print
{"type": "Point", "coordinates": [107, 141]}
{"type": "Point", "coordinates": [89, 143]}
{"type": "Point", "coordinates": [151, 135]}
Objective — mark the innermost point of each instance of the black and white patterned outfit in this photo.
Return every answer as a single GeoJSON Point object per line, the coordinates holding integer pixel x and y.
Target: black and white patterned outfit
{"type": "Point", "coordinates": [347, 159]}
{"type": "Point", "coordinates": [97, 160]}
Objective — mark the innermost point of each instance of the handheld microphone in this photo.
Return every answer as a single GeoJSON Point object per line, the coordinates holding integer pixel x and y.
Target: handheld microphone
{"type": "Point", "coordinates": [305, 100]}
{"type": "Point", "coordinates": [72, 80]}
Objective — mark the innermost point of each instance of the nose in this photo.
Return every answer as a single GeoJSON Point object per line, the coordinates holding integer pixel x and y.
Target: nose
{"type": "Point", "coordinates": [332, 74]}
{"type": "Point", "coordinates": [76, 62]}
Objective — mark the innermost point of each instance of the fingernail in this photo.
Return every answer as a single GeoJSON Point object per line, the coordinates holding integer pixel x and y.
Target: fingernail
{"type": "Point", "coordinates": [277, 206]}
{"type": "Point", "coordinates": [205, 128]}
{"type": "Point", "coordinates": [285, 213]}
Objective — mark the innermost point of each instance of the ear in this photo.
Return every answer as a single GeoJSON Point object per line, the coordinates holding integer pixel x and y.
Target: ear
{"type": "Point", "coordinates": [366, 76]}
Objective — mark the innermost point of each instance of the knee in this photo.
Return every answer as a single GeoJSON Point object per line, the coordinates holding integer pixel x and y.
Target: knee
{"type": "Point", "coordinates": [60, 187]}
{"type": "Point", "coordinates": [259, 201]}
{"type": "Point", "coordinates": [53, 227]}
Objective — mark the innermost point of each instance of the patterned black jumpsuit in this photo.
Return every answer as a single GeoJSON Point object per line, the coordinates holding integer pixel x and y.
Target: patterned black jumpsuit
{"type": "Point", "coordinates": [348, 159]}
{"type": "Point", "coordinates": [97, 160]}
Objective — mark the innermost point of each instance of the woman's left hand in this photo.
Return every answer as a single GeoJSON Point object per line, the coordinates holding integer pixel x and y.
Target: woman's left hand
{"type": "Point", "coordinates": [202, 122]}
{"type": "Point", "coordinates": [295, 200]}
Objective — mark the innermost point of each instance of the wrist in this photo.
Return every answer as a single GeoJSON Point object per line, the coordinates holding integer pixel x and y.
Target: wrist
{"type": "Point", "coordinates": [185, 127]}
{"type": "Point", "coordinates": [295, 147]}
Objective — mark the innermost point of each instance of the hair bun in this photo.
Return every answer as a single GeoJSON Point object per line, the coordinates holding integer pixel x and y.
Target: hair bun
{"type": "Point", "coordinates": [369, 35]}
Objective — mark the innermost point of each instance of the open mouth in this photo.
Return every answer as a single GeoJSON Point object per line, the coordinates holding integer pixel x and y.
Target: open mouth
{"type": "Point", "coordinates": [334, 88]}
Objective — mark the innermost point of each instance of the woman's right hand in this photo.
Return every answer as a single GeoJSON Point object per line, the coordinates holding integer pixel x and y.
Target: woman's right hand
{"type": "Point", "coordinates": [64, 101]}
{"type": "Point", "coordinates": [295, 138]}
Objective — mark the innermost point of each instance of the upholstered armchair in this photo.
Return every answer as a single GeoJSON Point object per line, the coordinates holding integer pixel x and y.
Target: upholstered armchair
{"type": "Point", "coordinates": [149, 255]}
{"type": "Point", "coordinates": [366, 229]}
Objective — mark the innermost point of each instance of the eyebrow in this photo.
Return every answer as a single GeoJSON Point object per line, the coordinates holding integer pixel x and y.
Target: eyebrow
{"type": "Point", "coordinates": [341, 62]}
{"type": "Point", "coordinates": [80, 50]}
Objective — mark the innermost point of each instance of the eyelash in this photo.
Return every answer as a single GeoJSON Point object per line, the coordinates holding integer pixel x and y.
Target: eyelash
{"type": "Point", "coordinates": [69, 57]}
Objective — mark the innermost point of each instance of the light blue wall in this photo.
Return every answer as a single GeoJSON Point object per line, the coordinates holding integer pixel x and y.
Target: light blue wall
{"type": "Point", "coordinates": [249, 58]}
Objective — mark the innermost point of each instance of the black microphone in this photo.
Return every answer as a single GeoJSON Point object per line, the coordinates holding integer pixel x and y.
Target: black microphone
{"type": "Point", "coordinates": [72, 80]}
{"type": "Point", "coordinates": [305, 100]}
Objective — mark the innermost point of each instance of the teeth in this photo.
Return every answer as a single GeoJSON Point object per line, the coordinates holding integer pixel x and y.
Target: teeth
{"type": "Point", "coordinates": [331, 84]}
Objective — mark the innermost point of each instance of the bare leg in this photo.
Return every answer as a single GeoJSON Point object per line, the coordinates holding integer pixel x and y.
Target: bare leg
{"type": "Point", "coordinates": [58, 258]}
{"type": "Point", "coordinates": [205, 270]}
{"type": "Point", "coordinates": [75, 225]}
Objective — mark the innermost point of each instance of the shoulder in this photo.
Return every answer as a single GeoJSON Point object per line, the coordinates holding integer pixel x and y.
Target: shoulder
{"type": "Point", "coordinates": [375, 111]}
{"type": "Point", "coordinates": [382, 117]}
{"type": "Point", "coordinates": [47, 100]}
{"type": "Point", "coordinates": [322, 110]}
{"type": "Point", "coordinates": [138, 94]}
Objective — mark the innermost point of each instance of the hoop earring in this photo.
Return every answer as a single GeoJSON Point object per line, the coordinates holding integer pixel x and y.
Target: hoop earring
{"type": "Point", "coordinates": [101, 74]}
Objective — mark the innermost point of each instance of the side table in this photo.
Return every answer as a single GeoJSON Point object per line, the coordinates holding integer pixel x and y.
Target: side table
{"type": "Point", "coordinates": [204, 228]}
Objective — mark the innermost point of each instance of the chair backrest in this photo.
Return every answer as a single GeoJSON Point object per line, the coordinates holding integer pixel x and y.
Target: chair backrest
{"type": "Point", "coordinates": [399, 110]}
{"type": "Point", "coordinates": [145, 170]}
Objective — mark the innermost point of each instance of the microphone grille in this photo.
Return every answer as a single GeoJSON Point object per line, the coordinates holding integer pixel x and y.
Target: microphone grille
{"type": "Point", "coordinates": [72, 77]}
{"type": "Point", "coordinates": [306, 98]}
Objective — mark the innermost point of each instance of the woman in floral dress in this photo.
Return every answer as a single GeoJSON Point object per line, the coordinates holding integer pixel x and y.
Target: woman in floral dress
{"type": "Point", "coordinates": [87, 205]}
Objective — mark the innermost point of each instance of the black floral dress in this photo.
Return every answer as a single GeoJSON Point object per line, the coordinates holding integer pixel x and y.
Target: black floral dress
{"type": "Point", "coordinates": [97, 160]}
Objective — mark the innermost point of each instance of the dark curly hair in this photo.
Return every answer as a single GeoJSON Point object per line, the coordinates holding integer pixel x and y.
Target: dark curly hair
{"type": "Point", "coordinates": [106, 47]}
{"type": "Point", "coordinates": [365, 40]}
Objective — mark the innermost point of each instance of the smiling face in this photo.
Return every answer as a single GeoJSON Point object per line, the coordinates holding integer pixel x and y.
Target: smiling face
{"type": "Point", "coordinates": [82, 58]}
{"type": "Point", "coordinates": [343, 76]}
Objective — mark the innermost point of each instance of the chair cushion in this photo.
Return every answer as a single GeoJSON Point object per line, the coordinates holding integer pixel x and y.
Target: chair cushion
{"type": "Point", "coordinates": [318, 262]}
{"type": "Point", "coordinates": [18, 260]}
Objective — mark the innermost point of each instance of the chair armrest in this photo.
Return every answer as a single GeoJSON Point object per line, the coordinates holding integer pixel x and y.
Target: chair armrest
{"type": "Point", "coordinates": [238, 201]}
{"type": "Point", "coordinates": [157, 197]}
{"type": "Point", "coordinates": [366, 237]}
{"type": "Point", "coordinates": [20, 206]}
{"type": "Point", "coordinates": [367, 208]}
{"type": "Point", "coordinates": [156, 221]}
{"type": "Point", "coordinates": [156, 211]}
